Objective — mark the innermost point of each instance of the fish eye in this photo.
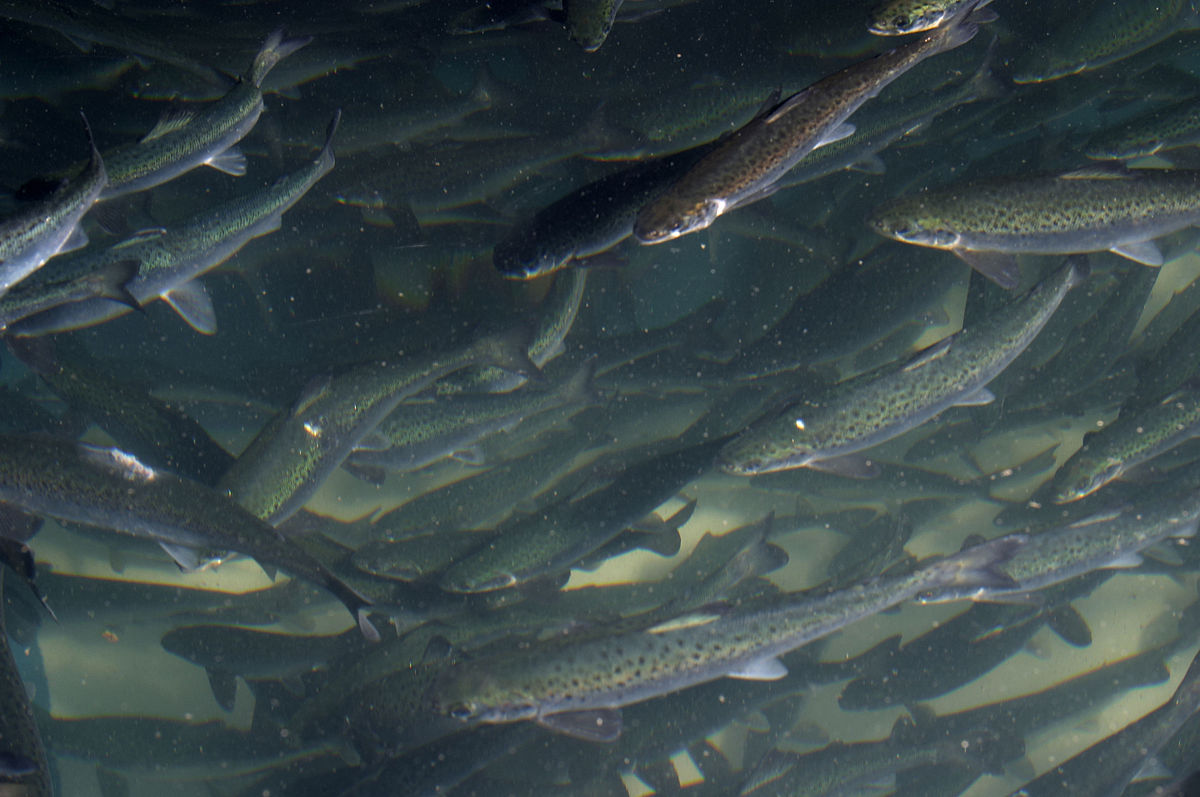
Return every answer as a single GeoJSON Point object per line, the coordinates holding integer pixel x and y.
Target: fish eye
{"type": "Point", "coordinates": [462, 711]}
{"type": "Point", "coordinates": [900, 22]}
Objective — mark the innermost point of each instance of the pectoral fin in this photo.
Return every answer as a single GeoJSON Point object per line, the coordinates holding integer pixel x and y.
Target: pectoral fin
{"type": "Point", "coordinates": [193, 304]}
{"type": "Point", "coordinates": [999, 267]}
{"type": "Point", "coordinates": [1146, 252]}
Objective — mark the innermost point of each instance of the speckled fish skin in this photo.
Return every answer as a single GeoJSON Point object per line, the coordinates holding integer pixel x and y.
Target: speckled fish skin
{"type": "Point", "coordinates": [1089, 210]}
{"type": "Point", "coordinates": [1106, 32]}
{"type": "Point", "coordinates": [568, 676]}
{"type": "Point", "coordinates": [901, 17]}
{"type": "Point", "coordinates": [1100, 542]}
{"type": "Point", "coordinates": [747, 165]}
{"type": "Point", "coordinates": [43, 228]}
{"type": "Point", "coordinates": [1128, 442]}
{"type": "Point", "coordinates": [868, 410]}
{"type": "Point", "coordinates": [293, 456]}
{"type": "Point", "coordinates": [110, 489]}
{"type": "Point", "coordinates": [203, 138]}
{"type": "Point", "coordinates": [1174, 126]}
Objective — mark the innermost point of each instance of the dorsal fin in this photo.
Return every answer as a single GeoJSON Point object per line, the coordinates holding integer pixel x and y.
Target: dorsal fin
{"type": "Point", "coordinates": [169, 123]}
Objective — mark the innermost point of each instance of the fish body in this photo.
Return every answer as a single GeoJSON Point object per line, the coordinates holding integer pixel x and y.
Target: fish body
{"type": "Point", "coordinates": [876, 407]}
{"type": "Point", "coordinates": [901, 17]}
{"type": "Point", "coordinates": [108, 488]}
{"type": "Point", "coordinates": [555, 318]}
{"type": "Point", "coordinates": [746, 165]}
{"type": "Point", "coordinates": [1176, 125]}
{"type": "Point", "coordinates": [419, 433]}
{"type": "Point", "coordinates": [1102, 34]}
{"type": "Point", "coordinates": [1094, 543]}
{"type": "Point", "coordinates": [1094, 209]}
{"type": "Point", "coordinates": [154, 431]}
{"type": "Point", "coordinates": [289, 460]}
{"type": "Point", "coordinates": [167, 261]}
{"type": "Point", "coordinates": [571, 685]}
{"type": "Point", "coordinates": [553, 539]}
{"type": "Point", "coordinates": [589, 220]}
{"type": "Point", "coordinates": [45, 227]}
{"type": "Point", "coordinates": [182, 142]}
{"type": "Point", "coordinates": [1131, 440]}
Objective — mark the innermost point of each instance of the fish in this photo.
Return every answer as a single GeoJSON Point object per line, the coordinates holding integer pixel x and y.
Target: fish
{"type": "Point", "coordinates": [746, 166]}
{"type": "Point", "coordinates": [227, 652]}
{"type": "Point", "coordinates": [152, 430]}
{"type": "Point", "coordinates": [554, 321]}
{"type": "Point", "coordinates": [471, 501]}
{"type": "Point", "coordinates": [417, 434]}
{"type": "Point", "coordinates": [867, 410]}
{"type": "Point", "coordinates": [168, 261]}
{"type": "Point", "coordinates": [1101, 34]}
{"type": "Point", "coordinates": [183, 141]}
{"type": "Point", "coordinates": [590, 220]}
{"type": "Point", "coordinates": [68, 286]}
{"type": "Point", "coordinates": [1176, 125]}
{"type": "Point", "coordinates": [963, 649]}
{"type": "Point", "coordinates": [553, 539]}
{"type": "Point", "coordinates": [23, 757]}
{"type": "Point", "coordinates": [49, 225]}
{"type": "Point", "coordinates": [577, 687]}
{"type": "Point", "coordinates": [901, 17]}
{"type": "Point", "coordinates": [1133, 439]}
{"type": "Point", "coordinates": [293, 456]}
{"type": "Point", "coordinates": [1107, 540]}
{"type": "Point", "coordinates": [1107, 767]}
{"type": "Point", "coordinates": [96, 23]}
{"type": "Point", "coordinates": [111, 489]}
{"type": "Point", "coordinates": [1098, 208]}
{"type": "Point", "coordinates": [841, 768]}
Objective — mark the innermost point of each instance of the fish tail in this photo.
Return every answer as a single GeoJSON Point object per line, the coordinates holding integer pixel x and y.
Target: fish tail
{"type": "Point", "coordinates": [274, 50]}
{"type": "Point", "coordinates": [510, 351]}
{"type": "Point", "coordinates": [580, 388]}
{"type": "Point", "coordinates": [1080, 268]}
{"type": "Point", "coordinates": [982, 565]}
{"type": "Point", "coordinates": [358, 604]}
{"type": "Point", "coordinates": [964, 26]}
{"type": "Point", "coordinates": [326, 155]}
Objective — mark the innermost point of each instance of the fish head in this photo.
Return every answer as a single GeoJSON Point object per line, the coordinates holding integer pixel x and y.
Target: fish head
{"type": "Point", "coordinates": [912, 222]}
{"type": "Point", "coordinates": [752, 454]}
{"type": "Point", "coordinates": [901, 17]}
{"type": "Point", "coordinates": [1085, 476]}
{"type": "Point", "coordinates": [470, 580]}
{"type": "Point", "coordinates": [669, 219]}
{"type": "Point", "coordinates": [472, 695]}
{"type": "Point", "coordinates": [525, 255]}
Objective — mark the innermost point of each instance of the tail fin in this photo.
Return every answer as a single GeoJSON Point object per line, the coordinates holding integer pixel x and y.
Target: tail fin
{"type": "Point", "coordinates": [980, 565]}
{"type": "Point", "coordinates": [274, 50]}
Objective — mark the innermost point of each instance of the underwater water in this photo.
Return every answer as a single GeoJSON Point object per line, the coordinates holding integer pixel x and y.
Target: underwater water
{"type": "Point", "coordinates": [587, 397]}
